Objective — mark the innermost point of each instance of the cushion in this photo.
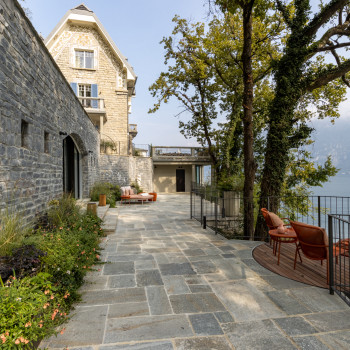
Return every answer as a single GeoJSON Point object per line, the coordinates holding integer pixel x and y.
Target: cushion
{"type": "Point", "coordinates": [144, 194]}
{"type": "Point", "coordinates": [281, 229]}
{"type": "Point", "coordinates": [276, 221]}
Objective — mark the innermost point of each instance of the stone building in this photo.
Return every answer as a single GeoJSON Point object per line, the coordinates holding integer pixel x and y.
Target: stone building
{"type": "Point", "coordinates": [98, 73]}
{"type": "Point", "coordinates": [48, 143]}
{"type": "Point", "coordinates": [104, 82]}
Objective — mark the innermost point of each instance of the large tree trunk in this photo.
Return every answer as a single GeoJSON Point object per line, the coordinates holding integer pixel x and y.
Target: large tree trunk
{"type": "Point", "coordinates": [249, 162]}
{"type": "Point", "coordinates": [281, 116]}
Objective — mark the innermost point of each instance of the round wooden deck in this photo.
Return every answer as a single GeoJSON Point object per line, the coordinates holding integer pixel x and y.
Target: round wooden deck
{"type": "Point", "coordinates": [309, 271]}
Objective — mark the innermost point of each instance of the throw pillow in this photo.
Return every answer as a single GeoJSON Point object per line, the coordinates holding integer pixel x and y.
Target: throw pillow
{"type": "Point", "coordinates": [276, 221]}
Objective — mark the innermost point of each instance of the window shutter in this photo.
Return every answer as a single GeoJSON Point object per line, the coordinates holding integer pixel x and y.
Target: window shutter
{"type": "Point", "coordinates": [94, 93]}
{"type": "Point", "coordinates": [74, 86]}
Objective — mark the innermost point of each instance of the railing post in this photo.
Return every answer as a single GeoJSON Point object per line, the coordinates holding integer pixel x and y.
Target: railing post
{"type": "Point", "coordinates": [191, 199]}
{"type": "Point", "coordinates": [201, 208]}
{"type": "Point", "coordinates": [204, 222]}
{"type": "Point", "coordinates": [216, 214]}
{"type": "Point", "coordinates": [223, 214]}
{"type": "Point", "coordinates": [330, 257]}
{"type": "Point", "coordinates": [319, 210]}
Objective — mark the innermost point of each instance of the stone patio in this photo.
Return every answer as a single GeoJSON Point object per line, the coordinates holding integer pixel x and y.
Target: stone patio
{"type": "Point", "coordinates": [170, 285]}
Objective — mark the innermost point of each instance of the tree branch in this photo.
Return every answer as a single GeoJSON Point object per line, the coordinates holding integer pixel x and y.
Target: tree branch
{"type": "Point", "coordinates": [337, 59]}
{"type": "Point", "coordinates": [284, 11]}
{"type": "Point", "coordinates": [329, 75]}
{"type": "Point", "coordinates": [333, 47]}
{"type": "Point", "coordinates": [323, 16]}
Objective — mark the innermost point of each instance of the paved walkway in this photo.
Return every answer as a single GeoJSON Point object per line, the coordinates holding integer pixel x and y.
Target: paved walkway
{"type": "Point", "coordinates": [170, 285]}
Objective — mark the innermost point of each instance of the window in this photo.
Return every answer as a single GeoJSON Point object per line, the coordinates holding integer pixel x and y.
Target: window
{"type": "Point", "coordinates": [46, 142]}
{"type": "Point", "coordinates": [84, 90]}
{"type": "Point", "coordinates": [84, 59]}
{"type": "Point", "coordinates": [24, 134]}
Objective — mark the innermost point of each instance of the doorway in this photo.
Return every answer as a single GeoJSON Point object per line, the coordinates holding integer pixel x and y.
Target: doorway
{"type": "Point", "coordinates": [180, 180]}
{"type": "Point", "coordinates": [71, 168]}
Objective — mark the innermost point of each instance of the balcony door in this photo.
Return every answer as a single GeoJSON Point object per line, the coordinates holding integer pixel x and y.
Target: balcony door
{"type": "Point", "coordinates": [180, 180]}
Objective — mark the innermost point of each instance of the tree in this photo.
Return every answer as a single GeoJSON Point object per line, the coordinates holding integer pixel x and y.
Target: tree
{"type": "Point", "coordinates": [301, 73]}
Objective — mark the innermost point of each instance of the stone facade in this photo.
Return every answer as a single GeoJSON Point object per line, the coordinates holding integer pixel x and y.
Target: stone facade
{"type": "Point", "coordinates": [123, 170]}
{"type": "Point", "coordinates": [37, 111]}
{"type": "Point", "coordinates": [108, 73]}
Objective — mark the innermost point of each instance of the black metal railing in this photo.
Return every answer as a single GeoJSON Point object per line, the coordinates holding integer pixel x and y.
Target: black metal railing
{"type": "Point", "coordinates": [223, 210]}
{"type": "Point", "coordinates": [339, 262]}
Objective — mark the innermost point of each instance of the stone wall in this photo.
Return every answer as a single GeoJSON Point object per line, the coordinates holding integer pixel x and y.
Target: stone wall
{"type": "Point", "coordinates": [36, 98]}
{"type": "Point", "coordinates": [122, 170]}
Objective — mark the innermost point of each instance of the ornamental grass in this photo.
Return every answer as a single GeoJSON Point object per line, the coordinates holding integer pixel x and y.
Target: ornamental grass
{"type": "Point", "coordinates": [35, 298]}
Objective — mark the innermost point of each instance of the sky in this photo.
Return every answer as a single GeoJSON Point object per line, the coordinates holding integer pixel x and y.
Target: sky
{"type": "Point", "coordinates": [136, 27]}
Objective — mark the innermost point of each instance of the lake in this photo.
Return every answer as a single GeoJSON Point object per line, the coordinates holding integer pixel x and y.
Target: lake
{"type": "Point", "coordinates": [339, 185]}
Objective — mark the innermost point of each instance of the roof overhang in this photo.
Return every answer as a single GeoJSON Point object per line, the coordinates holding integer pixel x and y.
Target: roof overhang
{"type": "Point", "coordinates": [82, 15]}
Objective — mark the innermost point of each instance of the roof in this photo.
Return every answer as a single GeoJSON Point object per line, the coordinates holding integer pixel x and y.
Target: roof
{"type": "Point", "coordinates": [83, 14]}
{"type": "Point", "coordinates": [82, 7]}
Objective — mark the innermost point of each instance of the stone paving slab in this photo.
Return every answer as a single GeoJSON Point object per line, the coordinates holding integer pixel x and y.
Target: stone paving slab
{"type": "Point", "coordinates": [201, 343]}
{"type": "Point", "coordinates": [86, 327]}
{"type": "Point", "coordinates": [170, 285]}
{"type": "Point", "coordinates": [205, 324]}
{"type": "Point", "coordinates": [147, 328]}
{"type": "Point", "coordinates": [148, 278]}
{"type": "Point", "coordinates": [158, 300]}
{"type": "Point", "coordinates": [199, 302]}
{"type": "Point", "coordinates": [164, 345]}
{"type": "Point", "coordinates": [337, 340]}
{"type": "Point", "coordinates": [245, 302]}
{"type": "Point", "coordinates": [262, 335]}
{"type": "Point", "coordinates": [128, 310]}
{"type": "Point", "coordinates": [114, 296]}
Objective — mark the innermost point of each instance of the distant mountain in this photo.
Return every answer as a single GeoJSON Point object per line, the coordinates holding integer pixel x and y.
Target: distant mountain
{"type": "Point", "coordinates": [332, 140]}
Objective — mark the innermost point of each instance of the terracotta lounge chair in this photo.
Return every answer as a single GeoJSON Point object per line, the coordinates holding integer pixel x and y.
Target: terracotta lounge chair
{"type": "Point", "coordinates": [279, 232]}
{"type": "Point", "coordinates": [313, 242]}
{"type": "Point", "coordinates": [127, 195]}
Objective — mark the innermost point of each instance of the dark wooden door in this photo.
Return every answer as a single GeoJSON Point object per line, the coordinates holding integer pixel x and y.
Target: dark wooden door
{"type": "Point", "coordinates": [180, 180]}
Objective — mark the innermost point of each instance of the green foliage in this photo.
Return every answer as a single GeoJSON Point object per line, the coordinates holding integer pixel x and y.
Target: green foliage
{"type": "Point", "coordinates": [61, 209]}
{"type": "Point", "coordinates": [111, 191]}
{"type": "Point", "coordinates": [12, 230]}
{"type": "Point", "coordinates": [137, 187]}
{"type": "Point", "coordinates": [231, 183]}
{"type": "Point", "coordinates": [305, 86]}
{"type": "Point", "coordinates": [30, 309]}
{"type": "Point", "coordinates": [33, 306]}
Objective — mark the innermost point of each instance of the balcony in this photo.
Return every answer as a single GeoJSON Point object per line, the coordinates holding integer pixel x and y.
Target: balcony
{"type": "Point", "coordinates": [133, 130]}
{"type": "Point", "coordinates": [180, 154]}
{"type": "Point", "coordinates": [93, 105]}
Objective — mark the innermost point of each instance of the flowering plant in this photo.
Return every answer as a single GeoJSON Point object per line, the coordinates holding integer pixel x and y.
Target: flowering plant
{"type": "Point", "coordinates": [30, 309]}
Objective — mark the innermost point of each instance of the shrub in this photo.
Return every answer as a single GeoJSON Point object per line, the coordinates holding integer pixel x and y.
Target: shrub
{"type": "Point", "coordinates": [62, 209]}
{"type": "Point", "coordinates": [30, 309]}
{"type": "Point", "coordinates": [32, 306]}
{"type": "Point", "coordinates": [24, 261]}
{"type": "Point", "coordinates": [137, 187]}
{"type": "Point", "coordinates": [12, 231]}
{"type": "Point", "coordinates": [111, 191]}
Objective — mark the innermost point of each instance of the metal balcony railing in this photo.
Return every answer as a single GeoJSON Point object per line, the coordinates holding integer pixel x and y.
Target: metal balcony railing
{"type": "Point", "coordinates": [133, 128]}
{"type": "Point", "coordinates": [92, 102]}
{"type": "Point", "coordinates": [339, 267]}
{"type": "Point", "coordinates": [160, 153]}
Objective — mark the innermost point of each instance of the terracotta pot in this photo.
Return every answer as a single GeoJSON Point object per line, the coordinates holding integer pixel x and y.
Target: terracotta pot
{"type": "Point", "coordinates": [154, 197]}
{"type": "Point", "coordinates": [102, 201]}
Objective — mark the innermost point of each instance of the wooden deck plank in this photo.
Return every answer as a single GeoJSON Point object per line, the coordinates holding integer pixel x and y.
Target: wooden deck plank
{"type": "Point", "coordinates": [309, 271]}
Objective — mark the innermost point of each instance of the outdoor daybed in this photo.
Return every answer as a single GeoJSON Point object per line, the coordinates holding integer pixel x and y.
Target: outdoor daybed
{"type": "Point", "coordinates": [127, 195]}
